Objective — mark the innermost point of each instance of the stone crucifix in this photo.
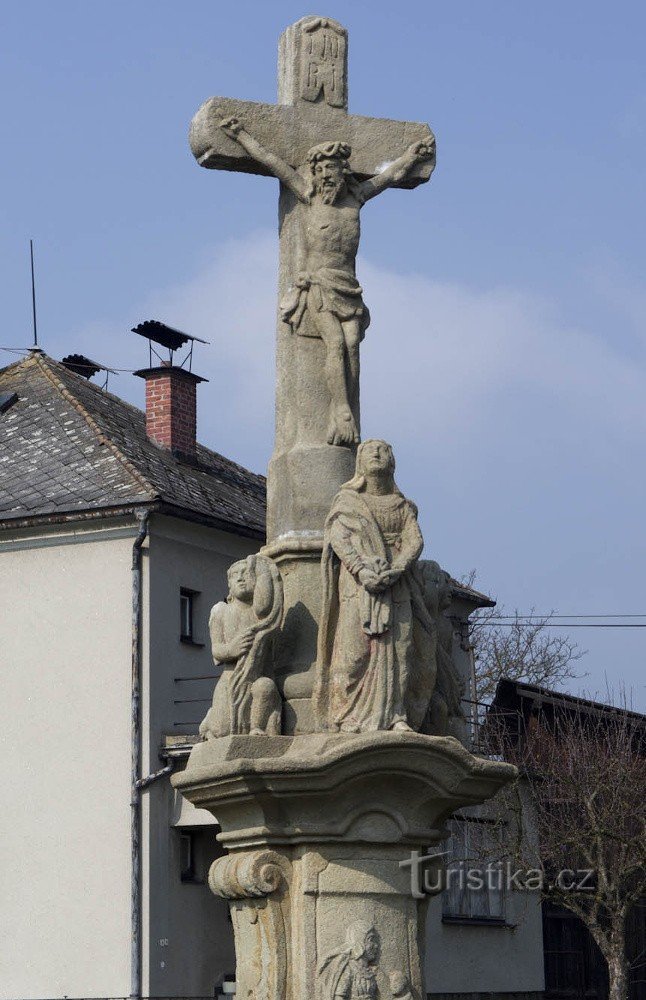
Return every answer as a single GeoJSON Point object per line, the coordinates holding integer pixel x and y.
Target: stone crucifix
{"type": "Point", "coordinates": [317, 817]}
{"type": "Point", "coordinates": [329, 163]}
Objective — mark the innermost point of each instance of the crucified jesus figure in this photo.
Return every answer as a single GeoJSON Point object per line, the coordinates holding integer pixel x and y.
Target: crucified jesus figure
{"type": "Point", "coordinates": [326, 299]}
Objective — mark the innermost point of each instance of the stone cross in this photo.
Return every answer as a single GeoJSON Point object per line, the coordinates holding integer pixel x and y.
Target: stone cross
{"type": "Point", "coordinates": [312, 109]}
{"type": "Point", "coordinates": [301, 140]}
{"type": "Point", "coordinates": [317, 818]}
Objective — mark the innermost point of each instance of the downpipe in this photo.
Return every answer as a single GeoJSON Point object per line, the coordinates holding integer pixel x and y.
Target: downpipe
{"type": "Point", "coordinates": [144, 783]}
{"type": "Point", "coordinates": [135, 761]}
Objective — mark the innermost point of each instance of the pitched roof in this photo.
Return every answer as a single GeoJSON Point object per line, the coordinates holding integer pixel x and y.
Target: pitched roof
{"type": "Point", "coordinates": [513, 695]}
{"type": "Point", "coordinates": [69, 448]}
{"type": "Point", "coordinates": [464, 592]}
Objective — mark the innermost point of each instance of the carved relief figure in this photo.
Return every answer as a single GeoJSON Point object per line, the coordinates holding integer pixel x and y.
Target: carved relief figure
{"type": "Point", "coordinates": [326, 300]}
{"type": "Point", "coordinates": [446, 704]}
{"type": "Point", "coordinates": [246, 699]}
{"type": "Point", "coordinates": [351, 974]}
{"type": "Point", "coordinates": [376, 647]}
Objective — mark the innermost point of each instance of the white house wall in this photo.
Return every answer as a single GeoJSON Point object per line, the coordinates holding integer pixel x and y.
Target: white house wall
{"type": "Point", "coordinates": [65, 666]}
{"type": "Point", "coordinates": [188, 944]}
{"type": "Point", "coordinates": [65, 653]}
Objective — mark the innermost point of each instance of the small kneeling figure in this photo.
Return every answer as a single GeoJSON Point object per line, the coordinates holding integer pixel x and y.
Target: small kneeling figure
{"type": "Point", "coordinates": [245, 699]}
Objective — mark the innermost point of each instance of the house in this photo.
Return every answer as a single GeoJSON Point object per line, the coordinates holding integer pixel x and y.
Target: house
{"type": "Point", "coordinates": [574, 966]}
{"type": "Point", "coordinates": [116, 532]}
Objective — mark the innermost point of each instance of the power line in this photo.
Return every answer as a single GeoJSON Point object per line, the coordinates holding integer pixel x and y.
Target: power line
{"type": "Point", "coordinates": [532, 620]}
{"type": "Point", "coordinates": [548, 617]}
{"type": "Point", "coordinates": [27, 350]}
{"type": "Point", "coordinates": [547, 624]}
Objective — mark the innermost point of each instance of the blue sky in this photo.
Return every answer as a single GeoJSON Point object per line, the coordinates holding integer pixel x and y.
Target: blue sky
{"type": "Point", "coordinates": [506, 358]}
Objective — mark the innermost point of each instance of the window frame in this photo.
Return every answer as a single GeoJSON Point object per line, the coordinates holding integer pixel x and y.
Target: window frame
{"type": "Point", "coordinates": [187, 872]}
{"type": "Point", "coordinates": [476, 906]}
{"type": "Point", "coordinates": [189, 597]}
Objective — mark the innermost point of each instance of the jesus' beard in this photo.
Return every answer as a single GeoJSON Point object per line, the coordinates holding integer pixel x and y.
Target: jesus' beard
{"type": "Point", "coordinates": [331, 194]}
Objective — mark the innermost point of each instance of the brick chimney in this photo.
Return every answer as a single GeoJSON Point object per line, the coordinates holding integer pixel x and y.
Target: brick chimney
{"type": "Point", "coordinates": [170, 408]}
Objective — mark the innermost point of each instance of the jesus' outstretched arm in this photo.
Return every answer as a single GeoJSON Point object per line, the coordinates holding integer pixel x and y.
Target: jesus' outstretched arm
{"type": "Point", "coordinates": [234, 128]}
{"type": "Point", "coordinates": [397, 171]}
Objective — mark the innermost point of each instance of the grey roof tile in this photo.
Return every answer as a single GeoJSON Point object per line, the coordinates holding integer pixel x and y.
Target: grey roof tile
{"type": "Point", "coordinates": [69, 445]}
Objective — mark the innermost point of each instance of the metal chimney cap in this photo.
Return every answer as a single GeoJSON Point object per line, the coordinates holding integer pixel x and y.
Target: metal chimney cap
{"type": "Point", "coordinates": [167, 336]}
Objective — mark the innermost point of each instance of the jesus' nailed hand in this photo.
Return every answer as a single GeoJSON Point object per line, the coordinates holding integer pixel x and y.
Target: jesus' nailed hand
{"type": "Point", "coordinates": [326, 299]}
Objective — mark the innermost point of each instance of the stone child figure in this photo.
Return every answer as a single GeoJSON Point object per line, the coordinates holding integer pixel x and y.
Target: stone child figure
{"type": "Point", "coordinates": [376, 647]}
{"type": "Point", "coordinates": [350, 974]}
{"type": "Point", "coordinates": [245, 699]}
{"type": "Point", "coordinates": [326, 300]}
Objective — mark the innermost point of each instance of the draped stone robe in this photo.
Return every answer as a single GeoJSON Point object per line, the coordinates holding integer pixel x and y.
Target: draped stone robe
{"type": "Point", "coordinates": [376, 652]}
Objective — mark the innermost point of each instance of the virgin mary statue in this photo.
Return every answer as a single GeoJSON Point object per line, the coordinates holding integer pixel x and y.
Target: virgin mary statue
{"type": "Point", "coordinates": [376, 661]}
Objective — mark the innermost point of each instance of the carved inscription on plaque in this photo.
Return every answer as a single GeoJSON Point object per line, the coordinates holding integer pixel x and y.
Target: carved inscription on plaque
{"type": "Point", "coordinates": [323, 62]}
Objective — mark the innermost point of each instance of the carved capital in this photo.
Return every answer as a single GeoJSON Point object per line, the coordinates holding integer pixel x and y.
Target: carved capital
{"type": "Point", "coordinates": [240, 876]}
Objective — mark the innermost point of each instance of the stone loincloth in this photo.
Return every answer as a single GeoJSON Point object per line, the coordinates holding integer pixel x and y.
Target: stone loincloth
{"type": "Point", "coordinates": [325, 290]}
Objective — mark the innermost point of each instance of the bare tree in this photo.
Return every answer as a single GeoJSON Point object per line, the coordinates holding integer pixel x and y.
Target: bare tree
{"type": "Point", "coordinates": [585, 803]}
{"type": "Point", "coordinates": [524, 648]}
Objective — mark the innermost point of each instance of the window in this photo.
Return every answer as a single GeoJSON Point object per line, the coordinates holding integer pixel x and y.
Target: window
{"type": "Point", "coordinates": [195, 854]}
{"type": "Point", "coordinates": [187, 857]}
{"type": "Point", "coordinates": [187, 607]}
{"type": "Point", "coordinates": [186, 614]}
{"type": "Point", "coordinates": [474, 878]}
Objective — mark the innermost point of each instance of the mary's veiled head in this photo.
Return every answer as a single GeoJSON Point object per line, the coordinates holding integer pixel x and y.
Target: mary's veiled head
{"type": "Point", "coordinates": [375, 459]}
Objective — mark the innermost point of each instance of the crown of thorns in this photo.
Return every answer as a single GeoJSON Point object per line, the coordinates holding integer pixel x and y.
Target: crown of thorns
{"type": "Point", "coordinates": [329, 151]}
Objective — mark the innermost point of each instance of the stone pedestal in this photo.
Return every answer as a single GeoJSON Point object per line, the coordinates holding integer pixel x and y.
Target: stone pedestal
{"type": "Point", "coordinates": [298, 557]}
{"type": "Point", "coordinates": [316, 828]}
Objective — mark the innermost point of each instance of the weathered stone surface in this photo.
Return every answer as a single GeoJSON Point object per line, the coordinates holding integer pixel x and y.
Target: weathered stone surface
{"type": "Point", "coordinates": [317, 827]}
{"type": "Point", "coordinates": [299, 558]}
{"type": "Point", "coordinates": [309, 141]}
{"type": "Point", "coordinates": [445, 715]}
{"type": "Point", "coordinates": [242, 629]}
{"type": "Point", "coordinates": [291, 130]}
{"type": "Point", "coordinates": [320, 826]}
{"type": "Point", "coordinates": [354, 968]}
{"type": "Point", "coordinates": [317, 350]}
{"type": "Point", "coordinates": [377, 664]}
{"type": "Point", "coordinates": [324, 299]}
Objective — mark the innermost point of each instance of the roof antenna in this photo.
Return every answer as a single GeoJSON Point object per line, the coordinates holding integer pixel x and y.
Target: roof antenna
{"type": "Point", "coordinates": [33, 297]}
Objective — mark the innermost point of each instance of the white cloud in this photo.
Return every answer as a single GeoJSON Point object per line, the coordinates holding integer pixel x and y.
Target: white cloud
{"type": "Point", "coordinates": [448, 372]}
{"type": "Point", "coordinates": [437, 356]}
{"type": "Point", "coordinates": [459, 350]}
{"type": "Point", "coordinates": [230, 302]}
{"type": "Point", "coordinates": [515, 433]}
